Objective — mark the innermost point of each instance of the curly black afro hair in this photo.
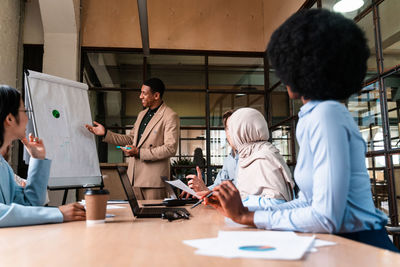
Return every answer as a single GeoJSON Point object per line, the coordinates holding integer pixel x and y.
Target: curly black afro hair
{"type": "Point", "coordinates": [321, 55]}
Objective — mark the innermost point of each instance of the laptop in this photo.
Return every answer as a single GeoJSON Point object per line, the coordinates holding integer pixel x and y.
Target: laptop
{"type": "Point", "coordinates": [173, 200]}
{"type": "Point", "coordinates": [144, 212]}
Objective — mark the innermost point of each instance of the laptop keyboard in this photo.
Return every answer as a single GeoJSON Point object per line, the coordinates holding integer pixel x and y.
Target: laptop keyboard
{"type": "Point", "coordinates": [161, 210]}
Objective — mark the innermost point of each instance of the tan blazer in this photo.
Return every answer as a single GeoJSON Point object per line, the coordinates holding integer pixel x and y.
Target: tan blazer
{"type": "Point", "coordinates": [158, 143]}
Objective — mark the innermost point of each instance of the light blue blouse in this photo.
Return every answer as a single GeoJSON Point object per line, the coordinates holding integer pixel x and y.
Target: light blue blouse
{"type": "Point", "coordinates": [21, 206]}
{"type": "Point", "coordinates": [335, 192]}
{"type": "Point", "coordinates": [229, 170]}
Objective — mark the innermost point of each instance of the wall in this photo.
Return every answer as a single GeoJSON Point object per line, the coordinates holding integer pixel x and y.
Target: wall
{"type": "Point", "coordinates": [56, 25]}
{"type": "Point", "coordinates": [275, 13]}
{"type": "Point", "coordinates": [110, 23]}
{"type": "Point", "coordinates": [60, 21]}
{"type": "Point", "coordinates": [33, 28]}
{"type": "Point", "coordinates": [10, 53]}
{"type": "Point", "coordinates": [390, 31]}
{"type": "Point", "coordinates": [206, 25]}
{"type": "Point", "coordinates": [65, 64]}
{"type": "Point", "coordinates": [229, 25]}
{"type": "Point", "coordinates": [389, 21]}
{"type": "Point", "coordinates": [9, 41]}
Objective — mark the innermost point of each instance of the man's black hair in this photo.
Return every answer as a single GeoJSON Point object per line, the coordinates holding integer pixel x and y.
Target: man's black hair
{"type": "Point", "coordinates": [321, 55]}
{"type": "Point", "coordinates": [156, 85]}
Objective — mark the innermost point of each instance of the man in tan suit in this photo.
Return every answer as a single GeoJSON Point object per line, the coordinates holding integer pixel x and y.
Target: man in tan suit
{"type": "Point", "coordinates": [150, 144]}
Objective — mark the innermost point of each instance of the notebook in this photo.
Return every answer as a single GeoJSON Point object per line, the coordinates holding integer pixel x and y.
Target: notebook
{"type": "Point", "coordinates": [143, 212]}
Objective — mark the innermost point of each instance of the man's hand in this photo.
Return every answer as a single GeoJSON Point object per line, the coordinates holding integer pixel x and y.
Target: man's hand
{"type": "Point", "coordinates": [196, 181]}
{"type": "Point", "coordinates": [97, 129]}
{"type": "Point", "coordinates": [73, 212]}
{"type": "Point", "coordinates": [34, 146]}
{"type": "Point", "coordinates": [131, 151]}
{"type": "Point", "coordinates": [185, 195]}
{"type": "Point", "coordinates": [226, 199]}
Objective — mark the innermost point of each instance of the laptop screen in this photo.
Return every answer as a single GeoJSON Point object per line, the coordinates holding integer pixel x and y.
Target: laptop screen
{"type": "Point", "coordinates": [168, 187]}
{"type": "Point", "coordinates": [126, 184]}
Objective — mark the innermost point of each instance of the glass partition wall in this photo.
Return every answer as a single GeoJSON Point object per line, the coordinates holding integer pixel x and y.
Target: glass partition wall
{"type": "Point", "coordinates": [201, 87]}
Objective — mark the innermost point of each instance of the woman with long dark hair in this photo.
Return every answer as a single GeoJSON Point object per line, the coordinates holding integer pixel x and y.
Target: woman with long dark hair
{"type": "Point", "coordinates": [22, 205]}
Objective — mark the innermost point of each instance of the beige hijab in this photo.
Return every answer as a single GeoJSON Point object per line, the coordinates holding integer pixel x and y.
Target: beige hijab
{"type": "Point", "coordinates": [262, 170]}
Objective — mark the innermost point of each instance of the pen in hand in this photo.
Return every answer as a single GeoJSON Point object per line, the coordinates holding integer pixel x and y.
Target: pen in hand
{"type": "Point", "coordinates": [201, 200]}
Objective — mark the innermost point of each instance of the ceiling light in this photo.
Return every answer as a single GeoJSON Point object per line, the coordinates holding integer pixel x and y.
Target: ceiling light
{"type": "Point", "coordinates": [348, 5]}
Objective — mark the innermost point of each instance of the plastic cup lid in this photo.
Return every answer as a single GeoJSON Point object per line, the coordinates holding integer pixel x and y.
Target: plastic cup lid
{"type": "Point", "coordinates": [97, 192]}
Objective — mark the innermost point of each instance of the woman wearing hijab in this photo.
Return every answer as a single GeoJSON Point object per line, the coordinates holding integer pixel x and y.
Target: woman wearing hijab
{"type": "Point", "coordinates": [263, 175]}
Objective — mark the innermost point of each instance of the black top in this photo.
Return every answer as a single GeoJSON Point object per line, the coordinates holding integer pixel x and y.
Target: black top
{"type": "Point", "coordinates": [146, 119]}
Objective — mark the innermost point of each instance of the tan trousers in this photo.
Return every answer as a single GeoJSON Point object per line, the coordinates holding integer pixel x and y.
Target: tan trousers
{"type": "Point", "coordinates": [150, 193]}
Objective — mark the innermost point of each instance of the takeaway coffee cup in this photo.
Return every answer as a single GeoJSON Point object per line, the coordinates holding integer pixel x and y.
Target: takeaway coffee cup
{"type": "Point", "coordinates": [96, 205]}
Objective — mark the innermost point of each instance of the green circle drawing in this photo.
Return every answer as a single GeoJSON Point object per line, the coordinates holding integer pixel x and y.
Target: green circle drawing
{"type": "Point", "coordinates": [56, 113]}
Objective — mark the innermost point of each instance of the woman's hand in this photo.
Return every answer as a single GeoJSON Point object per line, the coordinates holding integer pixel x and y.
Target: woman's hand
{"type": "Point", "coordinates": [196, 181]}
{"type": "Point", "coordinates": [34, 146]}
{"type": "Point", "coordinates": [212, 201]}
{"type": "Point", "coordinates": [73, 212]}
{"type": "Point", "coordinates": [226, 199]}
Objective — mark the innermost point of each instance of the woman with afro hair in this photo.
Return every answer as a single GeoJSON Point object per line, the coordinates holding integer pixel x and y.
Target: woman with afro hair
{"type": "Point", "coordinates": [321, 57]}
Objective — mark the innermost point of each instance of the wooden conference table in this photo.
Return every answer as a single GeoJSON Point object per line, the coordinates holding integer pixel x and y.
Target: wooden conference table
{"type": "Point", "coordinates": [125, 241]}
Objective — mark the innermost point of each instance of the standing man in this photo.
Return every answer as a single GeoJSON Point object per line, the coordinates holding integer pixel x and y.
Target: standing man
{"type": "Point", "coordinates": [150, 144]}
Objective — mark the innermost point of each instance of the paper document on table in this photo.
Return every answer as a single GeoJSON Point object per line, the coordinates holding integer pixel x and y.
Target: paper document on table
{"type": "Point", "coordinates": [320, 243]}
{"type": "Point", "coordinates": [179, 184]}
{"type": "Point", "coordinates": [200, 243]}
{"type": "Point", "coordinates": [230, 223]}
{"type": "Point", "coordinates": [233, 235]}
{"type": "Point", "coordinates": [254, 244]}
{"type": "Point", "coordinates": [323, 243]}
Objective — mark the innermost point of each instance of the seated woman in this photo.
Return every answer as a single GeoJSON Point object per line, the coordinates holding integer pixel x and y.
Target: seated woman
{"type": "Point", "coordinates": [262, 171]}
{"type": "Point", "coordinates": [322, 58]}
{"type": "Point", "coordinates": [262, 174]}
{"type": "Point", "coordinates": [18, 180]}
{"type": "Point", "coordinates": [21, 205]}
